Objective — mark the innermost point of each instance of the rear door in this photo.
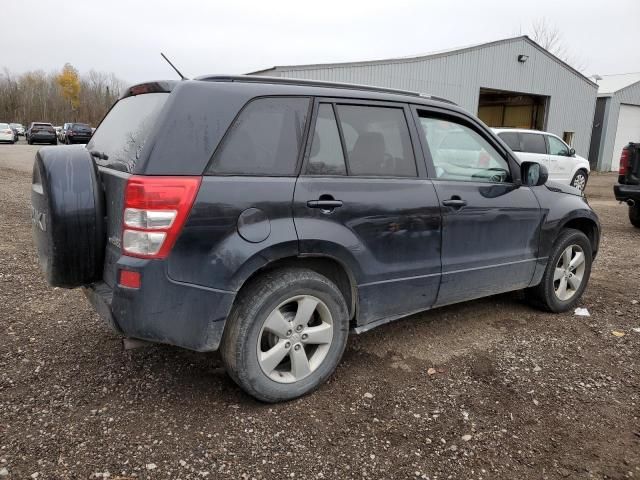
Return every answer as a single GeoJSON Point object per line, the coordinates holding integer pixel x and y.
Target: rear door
{"type": "Point", "coordinates": [362, 200]}
{"type": "Point", "coordinates": [490, 223]}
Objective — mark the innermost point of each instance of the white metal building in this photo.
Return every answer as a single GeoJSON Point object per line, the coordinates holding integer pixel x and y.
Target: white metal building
{"type": "Point", "coordinates": [617, 119]}
{"type": "Point", "coordinates": [507, 83]}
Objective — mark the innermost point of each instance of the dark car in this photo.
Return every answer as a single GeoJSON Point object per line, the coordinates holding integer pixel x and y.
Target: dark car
{"type": "Point", "coordinates": [628, 187]}
{"type": "Point", "coordinates": [40, 132]}
{"type": "Point", "coordinates": [268, 218]}
{"type": "Point", "coordinates": [76, 133]}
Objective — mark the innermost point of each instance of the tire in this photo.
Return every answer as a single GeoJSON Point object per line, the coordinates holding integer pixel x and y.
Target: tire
{"type": "Point", "coordinates": [546, 295]}
{"type": "Point", "coordinates": [580, 180]}
{"type": "Point", "coordinates": [67, 216]}
{"type": "Point", "coordinates": [245, 333]}
{"type": "Point", "coordinates": [55, 142]}
{"type": "Point", "coordinates": [634, 215]}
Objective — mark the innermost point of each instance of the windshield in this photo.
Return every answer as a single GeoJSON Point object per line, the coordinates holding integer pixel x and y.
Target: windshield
{"type": "Point", "coordinates": [125, 129]}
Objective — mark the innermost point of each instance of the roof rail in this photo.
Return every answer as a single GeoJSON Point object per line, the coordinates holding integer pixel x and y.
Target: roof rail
{"type": "Point", "coordinates": [316, 83]}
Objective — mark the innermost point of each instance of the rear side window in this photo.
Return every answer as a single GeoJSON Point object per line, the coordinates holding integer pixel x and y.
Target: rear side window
{"type": "Point", "coordinates": [377, 141]}
{"type": "Point", "coordinates": [512, 139]}
{"type": "Point", "coordinates": [265, 139]}
{"type": "Point", "coordinates": [125, 129]}
{"type": "Point", "coordinates": [533, 143]}
{"type": "Point", "coordinates": [326, 157]}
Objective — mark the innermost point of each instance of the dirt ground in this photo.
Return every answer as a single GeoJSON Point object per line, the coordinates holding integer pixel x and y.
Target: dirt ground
{"type": "Point", "coordinates": [517, 394]}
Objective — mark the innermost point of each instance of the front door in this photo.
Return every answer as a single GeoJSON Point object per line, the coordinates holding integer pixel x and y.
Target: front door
{"type": "Point", "coordinates": [561, 163]}
{"type": "Point", "coordinates": [490, 224]}
{"type": "Point", "coordinates": [363, 200]}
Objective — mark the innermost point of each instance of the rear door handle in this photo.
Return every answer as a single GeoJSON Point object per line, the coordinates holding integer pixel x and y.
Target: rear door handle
{"type": "Point", "coordinates": [455, 203]}
{"type": "Point", "coordinates": [324, 204]}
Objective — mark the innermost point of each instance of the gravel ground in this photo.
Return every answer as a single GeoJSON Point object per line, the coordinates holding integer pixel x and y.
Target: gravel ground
{"type": "Point", "coordinates": [482, 390]}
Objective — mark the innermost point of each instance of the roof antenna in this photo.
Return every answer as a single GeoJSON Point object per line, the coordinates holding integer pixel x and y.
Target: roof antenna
{"type": "Point", "coordinates": [174, 67]}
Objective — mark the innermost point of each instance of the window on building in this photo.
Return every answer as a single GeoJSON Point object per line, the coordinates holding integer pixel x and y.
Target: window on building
{"type": "Point", "coordinates": [265, 139]}
{"type": "Point", "coordinates": [568, 138]}
{"type": "Point", "coordinates": [377, 141]}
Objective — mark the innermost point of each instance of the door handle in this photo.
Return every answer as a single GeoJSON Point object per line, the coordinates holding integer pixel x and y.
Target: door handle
{"type": "Point", "coordinates": [455, 203]}
{"type": "Point", "coordinates": [324, 204]}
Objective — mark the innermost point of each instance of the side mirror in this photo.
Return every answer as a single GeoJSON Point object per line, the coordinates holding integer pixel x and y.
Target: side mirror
{"type": "Point", "coordinates": [572, 152]}
{"type": "Point", "coordinates": [533, 174]}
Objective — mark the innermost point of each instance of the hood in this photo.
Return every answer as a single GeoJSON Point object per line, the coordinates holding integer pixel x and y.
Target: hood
{"type": "Point", "coordinates": [562, 188]}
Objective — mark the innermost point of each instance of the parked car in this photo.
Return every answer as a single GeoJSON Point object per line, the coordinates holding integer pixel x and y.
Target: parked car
{"type": "Point", "coordinates": [549, 150]}
{"type": "Point", "coordinates": [62, 134]}
{"type": "Point", "coordinates": [628, 187]}
{"type": "Point", "coordinates": [77, 133]}
{"type": "Point", "coordinates": [293, 213]}
{"type": "Point", "coordinates": [19, 127]}
{"type": "Point", "coordinates": [15, 133]}
{"type": "Point", "coordinates": [40, 132]}
{"type": "Point", "coordinates": [6, 133]}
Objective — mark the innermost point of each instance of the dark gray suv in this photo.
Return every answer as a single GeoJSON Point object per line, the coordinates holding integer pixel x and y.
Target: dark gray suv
{"type": "Point", "coordinates": [268, 218]}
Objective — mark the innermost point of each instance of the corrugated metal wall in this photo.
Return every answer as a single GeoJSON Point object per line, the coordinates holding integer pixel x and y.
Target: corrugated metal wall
{"type": "Point", "coordinates": [460, 75]}
{"type": "Point", "coordinates": [629, 95]}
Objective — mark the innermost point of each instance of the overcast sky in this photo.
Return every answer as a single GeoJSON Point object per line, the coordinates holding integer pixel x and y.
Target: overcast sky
{"type": "Point", "coordinates": [125, 37]}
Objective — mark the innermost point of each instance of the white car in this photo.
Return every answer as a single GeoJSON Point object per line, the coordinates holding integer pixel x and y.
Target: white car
{"type": "Point", "coordinates": [6, 134]}
{"type": "Point", "coordinates": [549, 150]}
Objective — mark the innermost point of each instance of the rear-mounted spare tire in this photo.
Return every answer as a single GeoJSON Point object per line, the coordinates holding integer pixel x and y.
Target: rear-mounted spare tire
{"type": "Point", "coordinates": [67, 213]}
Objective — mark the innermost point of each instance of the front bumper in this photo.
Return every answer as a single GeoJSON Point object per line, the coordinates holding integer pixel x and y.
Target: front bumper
{"type": "Point", "coordinates": [626, 192]}
{"type": "Point", "coordinates": [162, 310]}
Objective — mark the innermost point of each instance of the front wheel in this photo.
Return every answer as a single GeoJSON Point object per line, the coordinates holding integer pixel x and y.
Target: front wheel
{"type": "Point", "coordinates": [634, 215]}
{"type": "Point", "coordinates": [579, 180]}
{"type": "Point", "coordinates": [567, 273]}
{"type": "Point", "coordinates": [285, 335]}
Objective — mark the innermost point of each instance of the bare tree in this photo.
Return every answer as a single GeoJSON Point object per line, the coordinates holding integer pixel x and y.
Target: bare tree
{"type": "Point", "coordinates": [549, 37]}
{"type": "Point", "coordinates": [38, 96]}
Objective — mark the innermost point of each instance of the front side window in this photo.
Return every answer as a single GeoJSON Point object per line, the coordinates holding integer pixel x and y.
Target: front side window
{"type": "Point", "coordinates": [377, 141]}
{"type": "Point", "coordinates": [326, 157]}
{"type": "Point", "coordinates": [556, 147]}
{"type": "Point", "coordinates": [265, 139]}
{"type": "Point", "coordinates": [533, 143]}
{"type": "Point", "coordinates": [460, 153]}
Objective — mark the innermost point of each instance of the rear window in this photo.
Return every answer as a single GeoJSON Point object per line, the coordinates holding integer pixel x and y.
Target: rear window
{"type": "Point", "coordinates": [533, 143]}
{"type": "Point", "coordinates": [125, 129]}
{"type": "Point", "coordinates": [81, 126]}
{"type": "Point", "coordinates": [265, 139]}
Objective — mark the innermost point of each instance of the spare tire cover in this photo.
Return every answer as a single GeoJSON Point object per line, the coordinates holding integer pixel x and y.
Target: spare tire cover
{"type": "Point", "coordinates": [67, 215]}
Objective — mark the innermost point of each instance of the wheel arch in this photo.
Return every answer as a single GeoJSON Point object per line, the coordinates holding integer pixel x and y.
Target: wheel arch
{"type": "Point", "coordinates": [326, 265]}
{"type": "Point", "coordinates": [586, 225]}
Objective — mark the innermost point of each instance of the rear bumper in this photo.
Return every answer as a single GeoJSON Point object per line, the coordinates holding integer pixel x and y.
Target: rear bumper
{"type": "Point", "coordinates": [626, 192]}
{"type": "Point", "coordinates": [79, 139]}
{"type": "Point", "coordinates": [39, 137]}
{"type": "Point", "coordinates": [162, 310]}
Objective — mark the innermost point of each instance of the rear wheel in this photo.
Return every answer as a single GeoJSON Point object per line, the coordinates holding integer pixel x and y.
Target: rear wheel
{"type": "Point", "coordinates": [579, 180]}
{"type": "Point", "coordinates": [285, 335]}
{"type": "Point", "coordinates": [634, 215]}
{"type": "Point", "coordinates": [567, 273]}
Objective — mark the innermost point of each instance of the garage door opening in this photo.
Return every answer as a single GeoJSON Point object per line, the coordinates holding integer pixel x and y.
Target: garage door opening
{"type": "Point", "coordinates": [499, 108]}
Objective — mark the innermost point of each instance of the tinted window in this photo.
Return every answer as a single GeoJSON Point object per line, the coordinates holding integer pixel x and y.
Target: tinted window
{"type": "Point", "coordinates": [512, 139]}
{"type": "Point", "coordinates": [377, 141]}
{"type": "Point", "coordinates": [460, 153]}
{"type": "Point", "coordinates": [326, 156]}
{"type": "Point", "coordinates": [556, 147]}
{"type": "Point", "coordinates": [533, 143]}
{"type": "Point", "coordinates": [125, 129]}
{"type": "Point", "coordinates": [265, 139]}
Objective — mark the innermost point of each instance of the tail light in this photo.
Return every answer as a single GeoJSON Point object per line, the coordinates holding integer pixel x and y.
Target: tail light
{"type": "Point", "coordinates": [155, 209]}
{"type": "Point", "coordinates": [624, 161]}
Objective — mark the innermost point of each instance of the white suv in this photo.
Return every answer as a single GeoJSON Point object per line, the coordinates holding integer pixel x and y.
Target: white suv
{"type": "Point", "coordinates": [560, 159]}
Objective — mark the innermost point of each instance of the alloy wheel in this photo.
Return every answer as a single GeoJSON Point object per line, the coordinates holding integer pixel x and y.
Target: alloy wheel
{"type": "Point", "coordinates": [295, 339]}
{"type": "Point", "coordinates": [569, 272]}
{"type": "Point", "coordinates": [580, 182]}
